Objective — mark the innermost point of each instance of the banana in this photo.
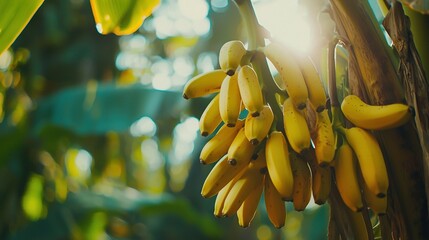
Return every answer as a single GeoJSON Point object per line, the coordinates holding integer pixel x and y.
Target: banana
{"type": "Point", "coordinates": [247, 210]}
{"type": "Point", "coordinates": [229, 101]}
{"type": "Point", "coordinates": [257, 128]}
{"type": "Point", "coordinates": [210, 119]}
{"type": "Point", "coordinates": [251, 179]}
{"type": "Point", "coordinates": [218, 146]}
{"type": "Point", "coordinates": [375, 117]}
{"type": "Point", "coordinates": [378, 205]}
{"type": "Point", "coordinates": [274, 204]}
{"type": "Point", "coordinates": [278, 164]}
{"type": "Point", "coordinates": [297, 132]}
{"type": "Point", "coordinates": [370, 159]}
{"type": "Point", "coordinates": [346, 178]}
{"type": "Point", "coordinates": [204, 84]}
{"type": "Point", "coordinates": [241, 150]}
{"type": "Point", "coordinates": [315, 88]}
{"type": "Point", "coordinates": [357, 225]}
{"type": "Point", "coordinates": [223, 193]}
{"type": "Point", "coordinates": [324, 139]}
{"type": "Point", "coordinates": [321, 184]}
{"type": "Point", "coordinates": [250, 90]}
{"type": "Point", "coordinates": [285, 63]}
{"type": "Point", "coordinates": [301, 182]}
{"type": "Point", "coordinates": [221, 174]}
{"type": "Point", "coordinates": [230, 55]}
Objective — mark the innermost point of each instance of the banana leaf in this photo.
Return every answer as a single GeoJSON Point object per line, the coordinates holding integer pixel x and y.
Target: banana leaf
{"type": "Point", "coordinates": [122, 17]}
{"type": "Point", "coordinates": [14, 16]}
{"type": "Point", "coordinates": [97, 109]}
{"type": "Point", "coordinates": [63, 218]}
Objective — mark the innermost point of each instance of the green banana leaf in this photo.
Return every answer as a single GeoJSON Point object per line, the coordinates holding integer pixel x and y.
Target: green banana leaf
{"type": "Point", "coordinates": [62, 218]}
{"type": "Point", "coordinates": [15, 15]}
{"type": "Point", "coordinates": [97, 109]}
{"type": "Point", "coordinates": [122, 17]}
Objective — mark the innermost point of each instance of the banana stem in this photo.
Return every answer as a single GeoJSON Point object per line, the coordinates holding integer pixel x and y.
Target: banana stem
{"type": "Point", "coordinates": [256, 40]}
{"type": "Point", "coordinates": [332, 81]}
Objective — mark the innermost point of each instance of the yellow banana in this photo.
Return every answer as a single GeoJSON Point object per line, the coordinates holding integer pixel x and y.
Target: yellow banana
{"type": "Point", "coordinates": [297, 132]}
{"type": "Point", "coordinates": [257, 128]}
{"type": "Point", "coordinates": [210, 119]}
{"type": "Point", "coordinates": [378, 205]}
{"type": "Point", "coordinates": [285, 63]}
{"type": "Point", "coordinates": [278, 164]}
{"type": "Point", "coordinates": [357, 225]}
{"type": "Point", "coordinates": [274, 204]}
{"type": "Point", "coordinates": [250, 90]}
{"type": "Point", "coordinates": [251, 179]}
{"type": "Point", "coordinates": [324, 139]}
{"type": "Point", "coordinates": [218, 146]}
{"type": "Point", "coordinates": [346, 178]}
{"type": "Point", "coordinates": [301, 182]}
{"type": "Point", "coordinates": [223, 193]}
{"type": "Point", "coordinates": [370, 159]}
{"type": "Point", "coordinates": [230, 55]}
{"type": "Point", "coordinates": [221, 174]}
{"type": "Point", "coordinates": [315, 88]}
{"type": "Point", "coordinates": [229, 101]}
{"type": "Point", "coordinates": [321, 184]}
{"type": "Point", "coordinates": [204, 84]}
{"type": "Point", "coordinates": [241, 150]}
{"type": "Point", "coordinates": [375, 117]}
{"type": "Point", "coordinates": [247, 210]}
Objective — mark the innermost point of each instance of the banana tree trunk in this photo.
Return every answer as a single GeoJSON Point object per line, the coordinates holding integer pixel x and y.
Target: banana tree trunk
{"type": "Point", "coordinates": [377, 81]}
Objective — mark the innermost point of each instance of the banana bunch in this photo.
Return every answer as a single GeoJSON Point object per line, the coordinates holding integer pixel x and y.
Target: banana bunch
{"type": "Point", "coordinates": [360, 171]}
{"type": "Point", "coordinates": [255, 155]}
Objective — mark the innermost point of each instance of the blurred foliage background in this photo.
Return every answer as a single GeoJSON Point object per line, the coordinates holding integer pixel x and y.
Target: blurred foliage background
{"type": "Point", "coordinates": [96, 139]}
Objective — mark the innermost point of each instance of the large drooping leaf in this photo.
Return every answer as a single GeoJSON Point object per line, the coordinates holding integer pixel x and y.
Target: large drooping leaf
{"type": "Point", "coordinates": [62, 219]}
{"type": "Point", "coordinates": [14, 16]}
{"type": "Point", "coordinates": [99, 109]}
{"type": "Point", "coordinates": [122, 17]}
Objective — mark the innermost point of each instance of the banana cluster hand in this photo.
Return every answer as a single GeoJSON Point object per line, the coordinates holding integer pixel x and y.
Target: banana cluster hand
{"type": "Point", "coordinates": [239, 177]}
{"type": "Point", "coordinates": [360, 171]}
{"type": "Point", "coordinates": [296, 159]}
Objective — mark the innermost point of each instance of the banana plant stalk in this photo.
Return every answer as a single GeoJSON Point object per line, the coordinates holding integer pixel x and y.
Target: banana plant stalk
{"type": "Point", "coordinates": [407, 210]}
